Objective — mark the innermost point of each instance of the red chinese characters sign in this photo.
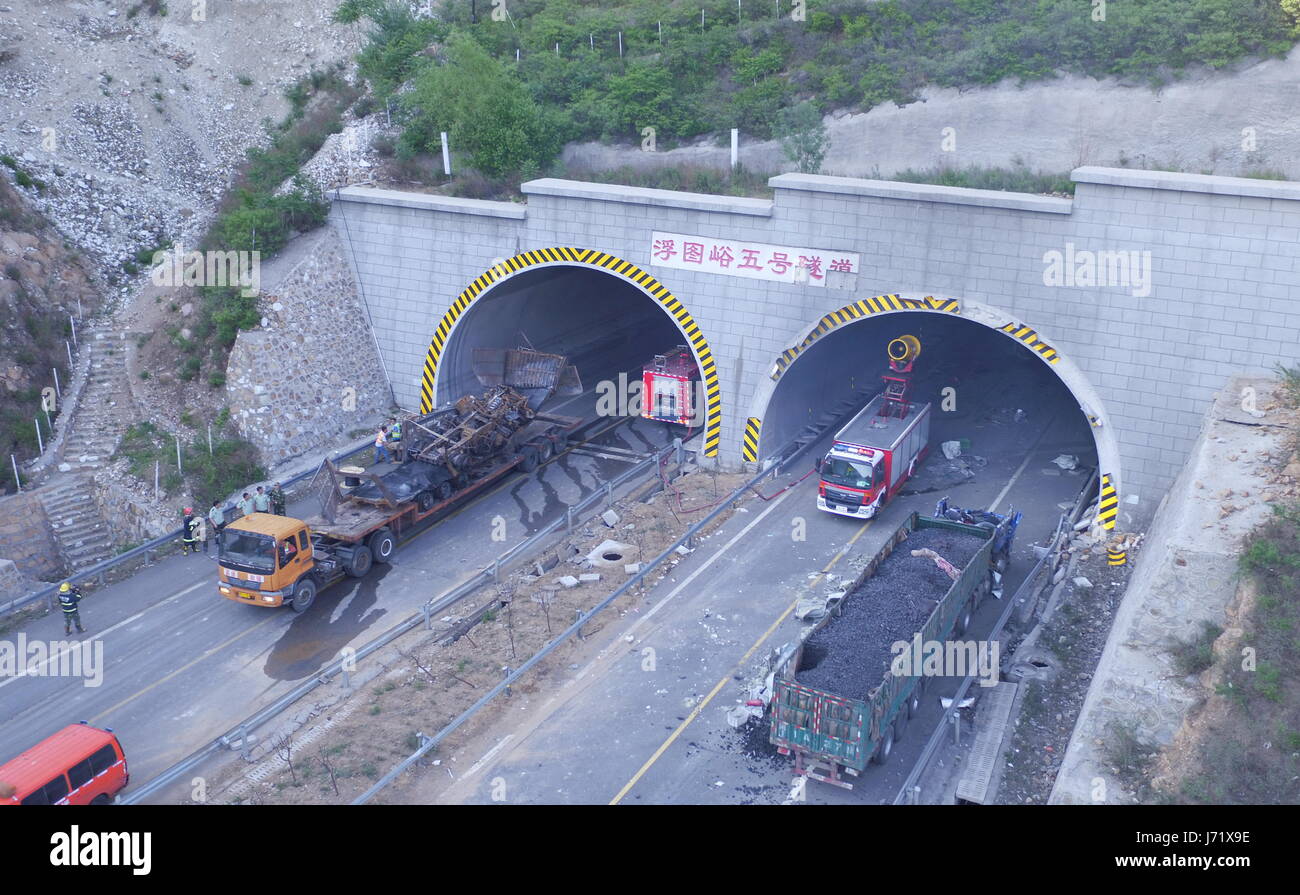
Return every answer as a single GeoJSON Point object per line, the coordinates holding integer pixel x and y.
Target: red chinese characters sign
{"type": "Point", "coordinates": [758, 261]}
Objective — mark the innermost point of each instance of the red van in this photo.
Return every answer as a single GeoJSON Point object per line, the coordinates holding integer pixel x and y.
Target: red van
{"type": "Point", "coordinates": [79, 765]}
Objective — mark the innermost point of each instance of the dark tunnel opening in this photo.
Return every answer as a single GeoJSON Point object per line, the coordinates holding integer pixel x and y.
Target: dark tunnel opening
{"type": "Point", "coordinates": [991, 377]}
{"type": "Point", "coordinates": [602, 323]}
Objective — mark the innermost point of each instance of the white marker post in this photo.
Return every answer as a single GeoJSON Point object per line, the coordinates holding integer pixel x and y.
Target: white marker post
{"type": "Point", "coordinates": [18, 483]}
{"type": "Point", "coordinates": [735, 147]}
{"type": "Point", "coordinates": [179, 468]}
{"type": "Point", "coordinates": [446, 156]}
{"type": "Point", "coordinates": [40, 442]}
{"type": "Point", "coordinates": [57, 389]}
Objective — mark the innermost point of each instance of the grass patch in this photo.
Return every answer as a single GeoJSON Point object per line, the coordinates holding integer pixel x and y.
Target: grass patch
{"type": "Point", "coordinates": [1017, 179]}
{"type": "Point", "coordinates": [1197, 654]}
{"type": "Point", "coordinates": [231, 465]}
{"type": "Point", "coordinates": [1290, 377]}
{"type": "Point", "coordinates": [1252, 756]}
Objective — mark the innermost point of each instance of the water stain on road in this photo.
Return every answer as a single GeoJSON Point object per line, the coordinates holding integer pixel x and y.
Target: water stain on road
{"type": "Point", "coordinates": [314, 639]}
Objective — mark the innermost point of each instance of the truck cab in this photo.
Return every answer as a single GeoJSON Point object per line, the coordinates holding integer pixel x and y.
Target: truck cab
{"type": "Point", "coordinates": [262, 557]}
{"type": "Point", "coordinates": [853, 480]}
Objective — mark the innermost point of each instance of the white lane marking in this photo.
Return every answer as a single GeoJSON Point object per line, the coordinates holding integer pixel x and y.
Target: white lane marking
{"type": "Point", "coordinates": [487, 756]}
{"type": "Point", "coordinates": [1029, 456]}
{"type": "Point", "coordinates": [126, 621]}
{"type": "Point", "coordinates": [678, 589]}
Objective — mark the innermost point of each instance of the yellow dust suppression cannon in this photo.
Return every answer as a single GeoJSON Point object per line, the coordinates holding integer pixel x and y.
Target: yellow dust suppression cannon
{"type": "Point", "coordinates": [902, 351]}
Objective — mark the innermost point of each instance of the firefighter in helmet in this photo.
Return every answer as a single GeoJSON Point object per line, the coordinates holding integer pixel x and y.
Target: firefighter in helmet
{"type": "Point", "coordinates": [69, 599]}
{"type": "Point", "coordinates": [189, 531]}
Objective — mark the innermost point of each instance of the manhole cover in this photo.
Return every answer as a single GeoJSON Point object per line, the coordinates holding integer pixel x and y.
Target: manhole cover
{"type": "Point", "coordinates": [612, 557]}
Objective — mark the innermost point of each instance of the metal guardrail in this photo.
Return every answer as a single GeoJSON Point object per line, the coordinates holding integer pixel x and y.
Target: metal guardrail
{"type": "Point", "coordinates": [100, 570]}
{"type": "Point", "coordinates": [489, 575]}
{"type": "Point", "coordinates": [428, 743]}
{"type": "Point", "coordinates": [1064, 526]}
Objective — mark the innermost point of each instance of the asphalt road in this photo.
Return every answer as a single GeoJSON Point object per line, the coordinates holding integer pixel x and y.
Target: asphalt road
{"type": "Point", "coordinates": [644, 722]}
{"type": "Point", "coordinates": [182, 665]}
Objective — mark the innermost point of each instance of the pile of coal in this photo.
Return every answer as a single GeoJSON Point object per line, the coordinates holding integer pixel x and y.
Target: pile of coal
{"type": "Point", "coordinates": [850, 655]}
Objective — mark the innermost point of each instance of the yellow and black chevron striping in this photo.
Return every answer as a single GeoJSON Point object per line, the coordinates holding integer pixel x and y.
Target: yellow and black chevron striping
{"type": "Point", "coordinates": [1030, 338]}
{"type": "Point", "coordinates": [749, 448]}
{"type": "Point", "coordinates": [1108, 506]}
{"type": "Point", "coordinates": [612, 264]}
{"type": "Point", "coordinates": [879, 304]}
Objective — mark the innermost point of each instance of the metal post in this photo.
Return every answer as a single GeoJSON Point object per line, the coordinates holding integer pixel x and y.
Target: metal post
{"type": "Point", "coordinates": [244, 751]}
{"type": "Point", "coordinates": [73, 324]}
{"type": "Point", "coordinates": [178, 456]}
{"type": "Point", "coordinates": [40, 442]}
{"type": "Point", "coordinates": [446, 156]}
{"type": "Point", "coordinates": [48, 425]}
{"type": "Point", "coordinates": [428, 619]}
{"type": "Point", "coordinates": [78, 308]}
{"type": "Point", "coordinates": [18, 482]}
{"type": "Point", "coordinates": [496, 572]}
{"type": "Point", "coordinates": [516, 54]}
{"type": "Point", "coordinates": [58, 389]}
{"type": "Point", "coordinates": [620, 45]}
{"type": "Point", "coordinates": [155, 479]}
{"type": "Point", "coordinates": [568, 519]}
{"type": "Point", "coordinates": [661, 32]}
{"type": "Point", "coordinates": [209, 439]}
{"type": "Point", "coordinates": [609, 494]}
{"type": "Point", "coordinates": [506, 671]}
{"type": "Point", "coordinates": [577, 617]}
{"type": "Point", "coordinates": [71, 364]}
{"type": "Point", "coordinates": [956, 727]}
{"type": "Point", "coordinates": [347, 679]}
{"type": "Point", "coordinates": [591, 39]}
{"type": "Point", "coordinates": [735, 147]}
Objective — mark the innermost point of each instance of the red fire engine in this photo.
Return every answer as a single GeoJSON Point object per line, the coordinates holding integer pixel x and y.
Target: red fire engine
{"type": "Point", "coordinates": [669, 388]}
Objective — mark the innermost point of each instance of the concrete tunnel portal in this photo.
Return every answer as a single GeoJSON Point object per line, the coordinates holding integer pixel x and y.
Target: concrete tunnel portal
{"type": "Point", "coordinates": [605, 314]}
{"type": "Point", "coordinates": [977, 377]}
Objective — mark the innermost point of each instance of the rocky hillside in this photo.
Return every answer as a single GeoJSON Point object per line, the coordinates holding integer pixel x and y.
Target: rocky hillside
{"type": "Point", "coordinates": [129, 117]}
{"type": "Point", "coordinates": [44, 282]}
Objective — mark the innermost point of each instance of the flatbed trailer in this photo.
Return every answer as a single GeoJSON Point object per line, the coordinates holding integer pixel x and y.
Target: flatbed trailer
{"type": "Point", "coordinates": [831, 733]}
{"type": "Point", "coordinates": [273, 560]}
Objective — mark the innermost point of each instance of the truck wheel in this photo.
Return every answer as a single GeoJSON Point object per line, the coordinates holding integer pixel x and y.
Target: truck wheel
{"type": "Point", "coordinates": [382, 546]}
{"type": "Point", "coordinates": [304, 594]}
{"type": "Point", "coordinates": [445, 490]}
{"type": "Point", "coordinates": [102, 799]}
{"type": "Point", "coordinates": [914, 700]}
{"type": "Point", "coordinates": [361, 561]}
{"type": "Point", "coordinates": [886, 747]}
{"type": "Point", "coordinates": [424, 501]}
{"type": "Point", "coordinates": [1000, 564]}
{"type": "Point", "coordinates": [963, 619]}
{"type": "Point", "coordinates": [529, 458]}
{"type": "Point", "coordinates": [545, 450]}
{"type": "Point", "coordinates": [561, 443]}
{"type": "Point", "coordinates": [900, 725]}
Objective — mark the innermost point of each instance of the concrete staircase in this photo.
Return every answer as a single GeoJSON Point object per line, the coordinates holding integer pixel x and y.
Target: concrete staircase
{"type": "Point", "coordinates": [104, 409]}
{"type": "Point", "coordinates": [83, 536]}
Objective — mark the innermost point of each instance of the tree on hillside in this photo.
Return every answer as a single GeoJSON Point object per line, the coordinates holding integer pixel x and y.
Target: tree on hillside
{"type": "Point", "coordinates": [803, 137]}
{"type": "Point", "coordinates": [485, 110]}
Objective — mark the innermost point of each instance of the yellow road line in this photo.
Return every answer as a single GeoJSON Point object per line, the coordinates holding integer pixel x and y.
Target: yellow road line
{"type": "Point", "coordinates": [743, 659]}
{"type": "Point", "coordinates": [191, 664]}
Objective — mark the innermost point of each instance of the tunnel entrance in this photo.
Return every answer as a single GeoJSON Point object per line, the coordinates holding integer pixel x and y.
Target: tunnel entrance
{"type": "Point", "coordinates": [980, 374]}
{"type": "Point", "coordinates": [607, 315]}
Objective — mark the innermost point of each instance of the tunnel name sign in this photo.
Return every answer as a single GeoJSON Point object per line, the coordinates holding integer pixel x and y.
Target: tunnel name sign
{"type": "Point", "coordinates": [755, 260]}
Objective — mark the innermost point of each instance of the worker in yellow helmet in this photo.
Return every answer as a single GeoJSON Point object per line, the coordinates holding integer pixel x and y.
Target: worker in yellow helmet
{"type": "Point", "coordinates": [69, 601]}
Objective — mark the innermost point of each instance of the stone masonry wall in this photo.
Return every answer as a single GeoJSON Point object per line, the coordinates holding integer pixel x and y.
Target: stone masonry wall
{"type": "Point", "coordinates": [312, 371]}
{"type": "Point", "coordinates": [26, 537]}
{"type": "Point", "coordinates": [1223, 258]}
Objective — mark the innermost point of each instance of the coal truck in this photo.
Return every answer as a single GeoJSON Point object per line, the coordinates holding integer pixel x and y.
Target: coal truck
{"type": "Point", "coordinates": [446, 456]}
{"type": "Point", "coordinates": [836, 702]}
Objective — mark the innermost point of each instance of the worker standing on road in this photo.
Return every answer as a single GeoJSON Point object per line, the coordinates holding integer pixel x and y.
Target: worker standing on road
{"type": "Point", "coordinates": [217, 516]}
{"type": "Point", "coordinates": [69, 599]}
{"type": "Point", "coordinates": [395, 438]}
{"type": "Point", "coordinates": [261, 502]}
{"type": "Point", "coordinates": [277, 499]}
{"type": "Point", "coordinates": [246, 505]}
{"type": "Point", "coordinates": [189, 536]}
{"type": "Point", "coordinates": [381, 440]}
